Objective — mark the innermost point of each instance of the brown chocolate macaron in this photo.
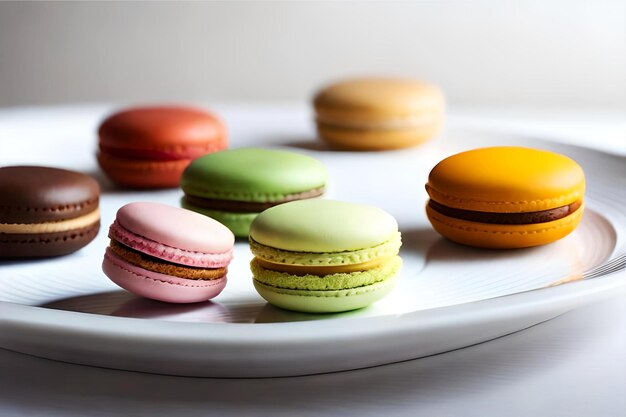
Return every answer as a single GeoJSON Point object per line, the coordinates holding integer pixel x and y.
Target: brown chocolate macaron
{"type": "Point", "coordinates": [46, 211]}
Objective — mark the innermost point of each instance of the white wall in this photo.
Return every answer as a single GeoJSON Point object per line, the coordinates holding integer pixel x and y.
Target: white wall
{"type": "Point", "coordinates": [553, 53]}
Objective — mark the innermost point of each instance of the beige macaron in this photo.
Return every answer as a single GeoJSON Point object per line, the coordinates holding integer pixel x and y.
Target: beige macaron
{"type": "Point", "coordinates": [378, 113]}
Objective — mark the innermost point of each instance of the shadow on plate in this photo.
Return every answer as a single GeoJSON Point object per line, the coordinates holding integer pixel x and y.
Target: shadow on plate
{"type": "Point", "coordinates": [271, 314]}
{"type": "Point", "coordinates": [109, 187]}
{"type": "Point", "coordinates": [125, 304]}
{"type": "Point", "coordinates": [309, 144]}
{"type": "Point", "coordinates": [104, 303]}
{"type": "Point", "coordinates": [444, 250]}
{"type": "Point", "coordinates": [106, 185]}
{"type": "Point", "coordinates": [418, 240]}
{"type": "Point", "coordinates": [143, 308]}
{"type": "Point", "coordinates": [316, 144]}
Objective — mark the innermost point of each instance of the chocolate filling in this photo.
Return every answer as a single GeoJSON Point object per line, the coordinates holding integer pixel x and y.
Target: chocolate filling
{"type": "Point", "coordinates": [248, 206]}
{"type": "Point", "coordinates": [506, 218]}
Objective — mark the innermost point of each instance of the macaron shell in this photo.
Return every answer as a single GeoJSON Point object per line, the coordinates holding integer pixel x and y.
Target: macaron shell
{"type": "Point", "coordinates": [176, 227]}
{"type": "Point", "coordinates": [498, 236]}
{"type": "Point", "coordinates": [377, 139]}
{"type": "Point", "coordinates": [377, 98]}
{"type": "Point", "coordinates": [325, 301]}
{"type": "Point", "coordinates": [68, 225]}
{"type": "Point", "coordinates": [238, 223]}
{"type": "Point", "coordinates": [506, 179]}
{"type": "Point", "coordinates": [29, 245]}
{"type": "Point", "coordinates": [166, 128]}
{"type": "Point", "coordinates": [168, 253]}
{"type": "Point", "coordinates": [250, 174]}
{"type": "Point", "coordinates": [159, 286]}
{"type": "Point", "coordinates": [33, 194]}
{"type": "Point", "coordinates": [386, 249]}
{"type": "Point", "coordinates": [322, 226]}
{"type": "Point", "coordinates": [136, 173]}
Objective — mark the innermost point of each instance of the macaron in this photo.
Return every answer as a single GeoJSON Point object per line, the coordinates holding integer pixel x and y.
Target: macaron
{"type": "Point", "coordinates": [378, 113]}
{"type": "Point", "coordinates": [149, 147]}
{"type": "Point", "coordinates": [234, 186]}
{"type": "Point", "coordinates": [324, 256]}
{"type": "Point", "coordinates": [46, 211]}
{"type": "Point", "coordinates": [168, 253]}
{"type": "Point", "coordinates": [505, 197]}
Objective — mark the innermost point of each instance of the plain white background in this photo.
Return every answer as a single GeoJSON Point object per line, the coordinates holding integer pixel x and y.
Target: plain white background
{"type": "Point", "coordinates": [554, 53]}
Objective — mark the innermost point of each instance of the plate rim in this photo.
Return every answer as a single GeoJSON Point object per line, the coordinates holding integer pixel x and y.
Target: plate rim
{"type": "Point", "coordinates": [40, 320]}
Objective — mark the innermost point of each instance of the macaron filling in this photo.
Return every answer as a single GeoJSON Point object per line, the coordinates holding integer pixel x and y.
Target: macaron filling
{"type": "Point", "coordinates": [321, 270]}
{"type": "Point", "coordinates": [153, 264]}
{"type": "Point", "coordinates": [159, 286]}
{"type": "Point", "coordinates": [81, 222]}
{"type": "Point", "coordinates": [328, 282]}
{"type": "Point", "coordinates": [165, 153]}
{"type": "Point", "coordinates": [236, 206]}
{"type": "Point", "coordinates": [519, 218]}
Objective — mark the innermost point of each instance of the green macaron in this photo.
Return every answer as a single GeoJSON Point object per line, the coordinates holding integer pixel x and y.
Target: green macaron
{"type": "Point", "coordinates": [234, 186]}
{"type": "Point", "coordinates": [324, 256]}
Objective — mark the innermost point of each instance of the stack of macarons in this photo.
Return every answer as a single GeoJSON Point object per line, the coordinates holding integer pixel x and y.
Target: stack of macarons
{"type": "Point", "coordinates": [324, 256]}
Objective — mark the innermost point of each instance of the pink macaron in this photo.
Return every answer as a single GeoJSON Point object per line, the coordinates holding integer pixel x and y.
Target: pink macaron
{"type": "Point", "coordinates": [167, 253]}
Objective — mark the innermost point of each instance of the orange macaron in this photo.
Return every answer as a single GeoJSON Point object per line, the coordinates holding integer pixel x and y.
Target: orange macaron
{"type": "Point", "coordinates": [378, 113]}
{"type": "Point", "coordinates": [150, 147]}
{"type": "Point", "coordinates": [505, 197]}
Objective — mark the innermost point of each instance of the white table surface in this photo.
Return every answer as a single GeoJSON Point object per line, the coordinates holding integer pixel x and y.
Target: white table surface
{"type": "Point", "coordinates": [574, 365]}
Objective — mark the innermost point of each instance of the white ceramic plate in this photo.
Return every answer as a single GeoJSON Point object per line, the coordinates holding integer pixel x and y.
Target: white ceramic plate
{"type": "Point", "coordinates": [448, 296]}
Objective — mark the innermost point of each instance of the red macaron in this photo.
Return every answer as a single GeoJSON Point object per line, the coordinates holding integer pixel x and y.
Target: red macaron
{"type": "Point", "coordinates": [150, 147]}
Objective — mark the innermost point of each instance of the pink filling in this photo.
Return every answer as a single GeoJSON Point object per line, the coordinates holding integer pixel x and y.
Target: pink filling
{"type": "Point", "coordinates": [187, 152]}
{"type": "Point", "coordinates": [169, 253]}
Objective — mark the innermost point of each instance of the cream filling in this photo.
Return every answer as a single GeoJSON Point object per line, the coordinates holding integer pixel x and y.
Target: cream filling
{"type": "Point", "coordinates": [400, 123]}
{"type": "Point", "coordinates": [52, 227]}
{"type": "Point", "coordinates": [323, 270]}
